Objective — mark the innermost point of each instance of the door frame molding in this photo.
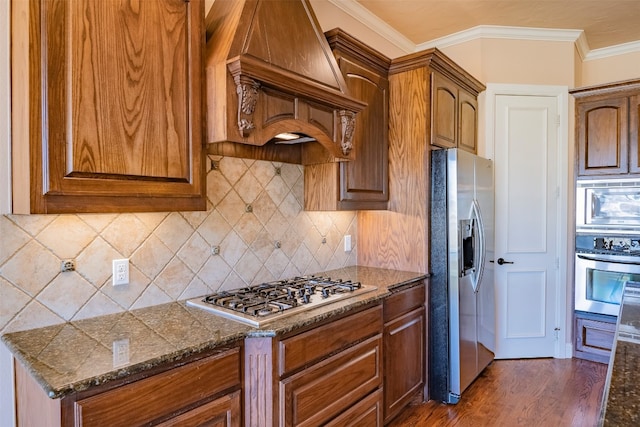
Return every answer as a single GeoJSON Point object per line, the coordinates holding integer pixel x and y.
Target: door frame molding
{"type": "Point", "coordinates": [563, 309]}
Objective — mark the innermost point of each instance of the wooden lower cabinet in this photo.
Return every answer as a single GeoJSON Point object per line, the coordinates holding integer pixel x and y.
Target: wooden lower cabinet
{"type": "Point", "coordinates": [356, 369]}
{"type": "Point", "coordinates": [594, 335]}
{"type": "Point", "coordinates": [203, 392]}
{"type": "Point", "coordinates": [366, 413]}
{"type": "Point", "coordinates": [325, 390]}
{"type": "Point", "coordinates": [404, 349]}
{"type": "Point", "coordinates": [222, 412]}
{"type": "Point", "coordinates": [328, 374]}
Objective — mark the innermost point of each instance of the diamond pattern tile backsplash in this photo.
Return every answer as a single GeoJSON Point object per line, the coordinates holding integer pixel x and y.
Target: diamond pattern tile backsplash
{"type": "Point", "coordinates": [254, 218]}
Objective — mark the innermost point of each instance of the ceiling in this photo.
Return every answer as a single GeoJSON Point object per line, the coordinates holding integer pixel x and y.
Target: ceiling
{"type": "Point", "coordinates": [605, 23]}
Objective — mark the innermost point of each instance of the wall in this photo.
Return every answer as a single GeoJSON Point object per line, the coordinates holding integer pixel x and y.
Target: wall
{"type": "Point", "coordinates": [6, 367]}
{"type": "Point", "coordinates": [610, 69]}
{"type": "Point", "coordinates": [5, 172]}
{"type": "Point", "coordinates": [170, 253]}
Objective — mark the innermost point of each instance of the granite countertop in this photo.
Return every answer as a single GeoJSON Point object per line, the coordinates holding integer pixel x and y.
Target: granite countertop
{"type": "Point", "coordinates": [77, 355]}
{"type": "Point", "coordinates": [621, 400]}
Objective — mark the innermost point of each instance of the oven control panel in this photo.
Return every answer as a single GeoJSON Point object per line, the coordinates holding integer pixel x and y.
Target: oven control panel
{"type": "Point", "coordinates": [617, 244]}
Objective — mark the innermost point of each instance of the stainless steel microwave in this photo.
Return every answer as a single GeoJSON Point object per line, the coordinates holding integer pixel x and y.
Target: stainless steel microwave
{"type": "Point", "coordinates": [608, 205]}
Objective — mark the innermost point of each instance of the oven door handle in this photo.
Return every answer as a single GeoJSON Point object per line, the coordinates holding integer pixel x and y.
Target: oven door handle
{"type": "Point", "coordinates": [613, 261]}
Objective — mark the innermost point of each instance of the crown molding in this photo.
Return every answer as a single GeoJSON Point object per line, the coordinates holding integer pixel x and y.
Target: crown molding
{"type": "Point", "coordinates": [358, 12]}
{"type": "Point", "coordinates": [386, 31]}
{"type": "Point", "coordinates": [620, 49]}
{"type": "Point", "coordinates": [500, 32]}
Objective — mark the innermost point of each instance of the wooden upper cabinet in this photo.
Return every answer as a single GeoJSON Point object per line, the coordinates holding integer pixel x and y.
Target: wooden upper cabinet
{"type": "Point", "coordinates": [607, 127]}
{"type": "Point", "coordinates": [603, 136]}
{"type": "Point", "coordinates": [362, 183]}
{"type": "Point", "coordinates": [109, 114]}
{"type": "Point", "coordinates": [468, 123]}
{"type": "Point", "coordinates": [444, 110]}
{"type": "Point", "coordinates": [454, 120]}
{"type": "Point", "coordinates": [634, 134]}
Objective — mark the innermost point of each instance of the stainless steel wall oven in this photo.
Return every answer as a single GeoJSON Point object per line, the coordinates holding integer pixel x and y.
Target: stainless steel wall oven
{"type": "Point", "coordinates": [600, 279]}
{"type": "Point", "coordinates": [608, 206]}
{"type": "Point", "coordinates": [607, 243]}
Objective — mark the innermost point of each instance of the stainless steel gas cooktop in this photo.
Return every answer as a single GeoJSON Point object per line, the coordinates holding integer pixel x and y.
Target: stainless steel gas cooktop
{"type": "Point", "coordinates": [260, 304]}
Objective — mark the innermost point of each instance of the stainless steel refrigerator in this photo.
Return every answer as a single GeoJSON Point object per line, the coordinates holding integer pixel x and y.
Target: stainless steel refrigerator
{"type": "Point", "coordinates": [461, 291]}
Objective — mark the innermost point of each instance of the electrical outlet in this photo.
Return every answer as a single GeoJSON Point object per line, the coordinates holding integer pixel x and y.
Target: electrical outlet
{"type": "Point", "coordinates": [120, 272]}
{"type": "Point", "coordinates": [121, 352]}
{"type": "Point", "coordinates": [347, 243]}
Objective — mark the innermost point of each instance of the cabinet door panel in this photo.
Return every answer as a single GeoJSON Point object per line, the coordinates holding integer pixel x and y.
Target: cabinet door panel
{"type": "Point", "coordinates": [404, 360]}
{"type": "Point", "coordinates": [366, 413]}
{"type": "Point", "coordinates": [128, 113]}
{"type": "Point", "coordinates": [403, 302]}
{"type": "Point", "coordinates": [468, 123]}
{"type": "Point", "coordinates": [603, 137]}
{"type": "Point", "coordinates": [444, 111]}
{"type": "Point", "coordinates": [317, 394]}
{"type": "Point", "coordinates": [311, 346]}
{"type": "Point", "coordinates": [222, 412]}
{"type": "Point", "coordinates": [366, 177]}
{"type": "Point", "coordinates": [634, 134]}
{"type": "Point", "coordinates": [156, 397]}
{"type": "Point", "coordinates": [115, 106]}
{"type": "Point", "coordinates": [594, 339]}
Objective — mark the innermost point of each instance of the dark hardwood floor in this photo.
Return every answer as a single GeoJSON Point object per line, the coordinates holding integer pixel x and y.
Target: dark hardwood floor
{"type": "Point", "coordinates": [527, 392]}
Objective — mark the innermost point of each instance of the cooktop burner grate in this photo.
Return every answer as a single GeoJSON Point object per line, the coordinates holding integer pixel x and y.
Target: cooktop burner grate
{"type": "Point", "coordinates": [259, 304]}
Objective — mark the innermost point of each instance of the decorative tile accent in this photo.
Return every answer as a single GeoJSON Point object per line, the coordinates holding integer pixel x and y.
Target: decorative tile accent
{"type": "Point", "coordinates": [171, 253]}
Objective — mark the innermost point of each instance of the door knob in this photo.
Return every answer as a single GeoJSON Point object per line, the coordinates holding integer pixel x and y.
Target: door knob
{"type": "Point", "coordinates": [502, 261]}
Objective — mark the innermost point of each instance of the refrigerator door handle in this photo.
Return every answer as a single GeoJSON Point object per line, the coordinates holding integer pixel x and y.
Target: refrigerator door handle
{"type": "Point", "coordinates": [480, 257]}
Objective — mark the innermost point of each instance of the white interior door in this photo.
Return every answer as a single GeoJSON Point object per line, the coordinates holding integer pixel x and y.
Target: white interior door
{"type": "Point", "coordinates": [530, 294]}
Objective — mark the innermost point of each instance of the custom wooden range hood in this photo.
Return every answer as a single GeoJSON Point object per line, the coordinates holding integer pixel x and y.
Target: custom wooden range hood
{"type": "Point", "coordinates": [271, 71]}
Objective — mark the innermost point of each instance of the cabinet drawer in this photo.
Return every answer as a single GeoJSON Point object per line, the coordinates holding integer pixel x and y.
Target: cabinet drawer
{"type": "Point", "coordinates": [403, 302]}
{"type": "Point", "coordinates": [594, 339]}
{"type": "Point", "coordinates": [366, 413]}
{"type": "Point", "coordinates": [307, 347]}
{"type": "Point", "coordinates": [320, 393]}
{"type": "Point", "coordinates": [222, 412]}
{"type": "Point", "coordinates": [161, 395]}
